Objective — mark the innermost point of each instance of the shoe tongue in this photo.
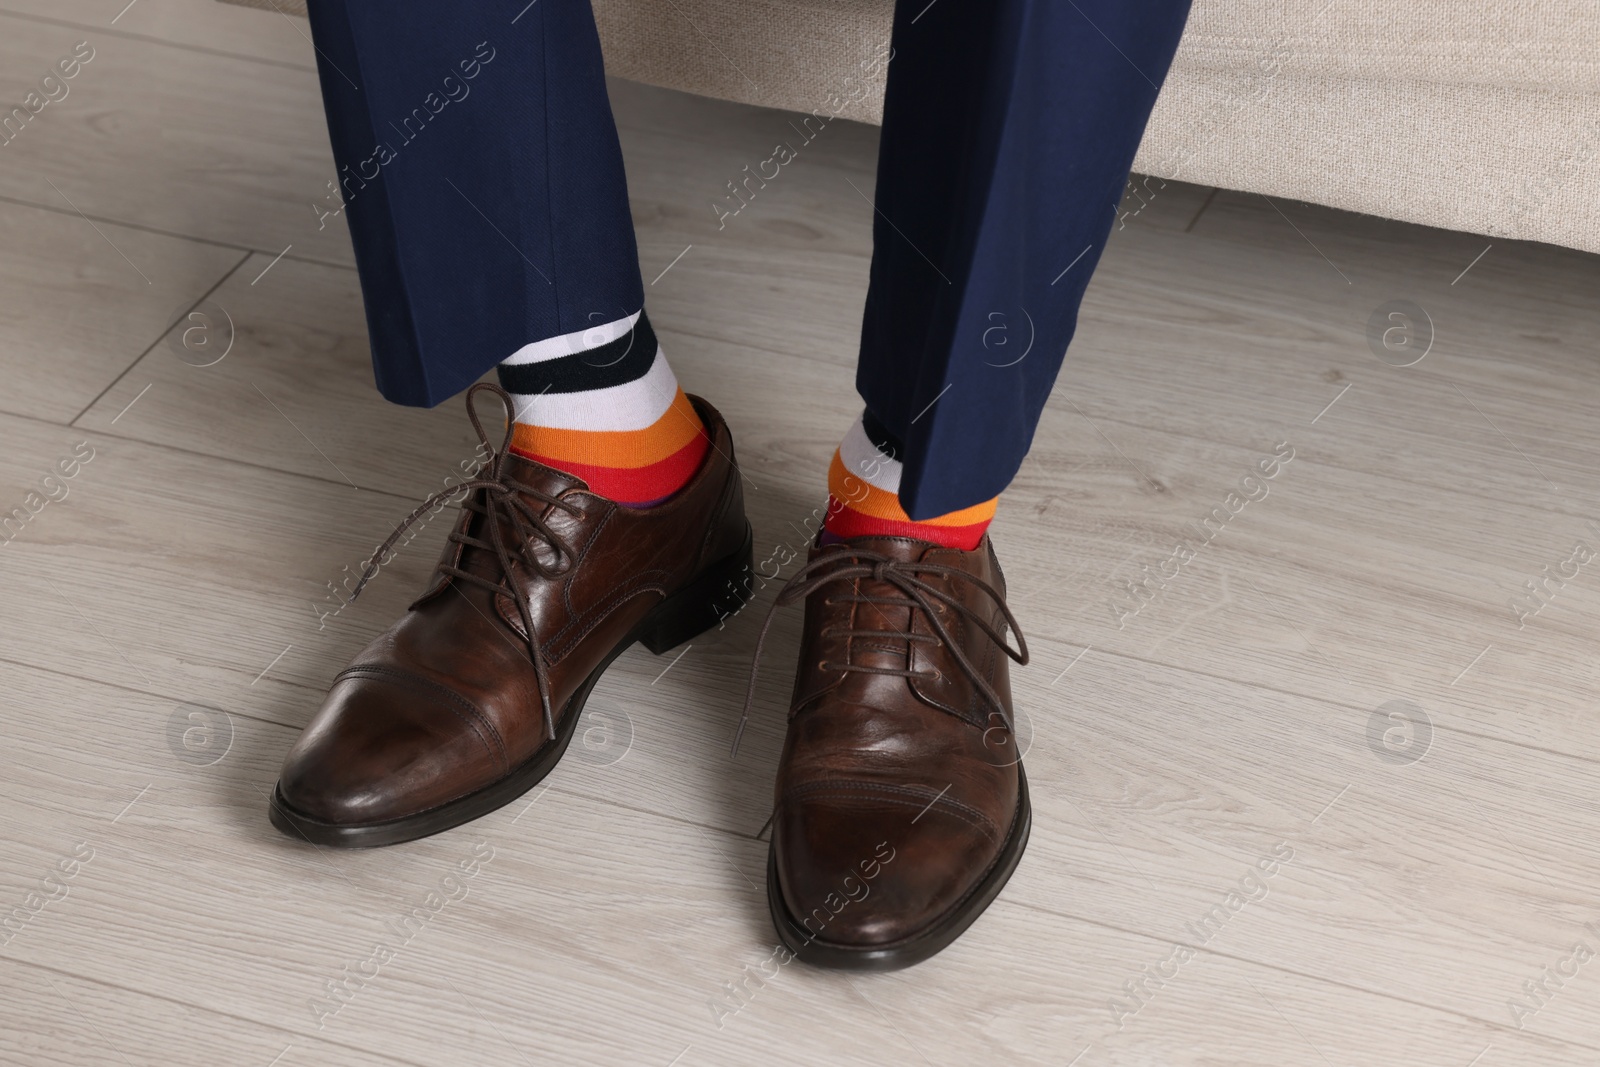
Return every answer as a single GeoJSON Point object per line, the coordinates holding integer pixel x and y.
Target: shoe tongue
{"type": "Point", "coordinates": [886, 651]}
{"type": "Point", "coordinates": [534, 475]}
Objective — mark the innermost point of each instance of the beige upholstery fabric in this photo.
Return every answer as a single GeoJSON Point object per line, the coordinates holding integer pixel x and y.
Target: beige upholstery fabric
{"type": "Point", "coordinates": [1478, 115]}
{"type": "Point", "coordinates": [803, 55]}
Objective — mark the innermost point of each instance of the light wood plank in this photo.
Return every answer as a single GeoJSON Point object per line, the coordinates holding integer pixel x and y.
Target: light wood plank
{"type": "Point", "coordinates": [566, 938]}
{"type": "Point", "coordinates": [186, 142]}
{"type": "Point", "coordinates": [84, 301]}
{"type": "Point", "coordinates": [292, 323]}
{"type": "Point", "coordinates": [200, 24]}
{"type": "Point", "coordinates": [190, 559]}
{"type": "Point", "coordinates": [679, 731]}
{"type": "Point", "coordinates": [51, 1017]}
{"type": "Point", "coordinates": [127, 577]}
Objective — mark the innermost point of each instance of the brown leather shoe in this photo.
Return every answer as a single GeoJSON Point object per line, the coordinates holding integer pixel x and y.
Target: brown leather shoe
{"type": "Point", "coordinates": [471, 697]}
{"type": "Point", "coordinates": [900, 806]}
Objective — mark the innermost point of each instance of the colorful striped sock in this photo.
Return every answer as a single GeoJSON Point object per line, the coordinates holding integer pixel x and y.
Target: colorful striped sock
{"type": "Point", "coordinates": [864, 500]}
{"type": "Point", "coordinates": [603, 405]}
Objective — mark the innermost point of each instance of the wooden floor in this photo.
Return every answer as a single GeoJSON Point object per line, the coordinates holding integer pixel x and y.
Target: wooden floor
{"type": "Point", "coordinates": [1317, 792]}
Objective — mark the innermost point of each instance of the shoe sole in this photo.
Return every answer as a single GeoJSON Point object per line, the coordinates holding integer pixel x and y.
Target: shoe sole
{"type": "Point", "coordinates": [682, 616]}
{"type": "Point", "coordinates": [808, 948]}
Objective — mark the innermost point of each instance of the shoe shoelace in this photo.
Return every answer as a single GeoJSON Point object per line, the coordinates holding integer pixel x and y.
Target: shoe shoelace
{"type": "Point", "coordinates": [499, 498]}
{"type": "Point", "coordinates": [827, 569]}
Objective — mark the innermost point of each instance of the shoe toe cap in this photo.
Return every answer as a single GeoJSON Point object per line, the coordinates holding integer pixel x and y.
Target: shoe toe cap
{"type": "Point", "coordinates": [862, 864]}
{"type": "Point", "coordinates": [383, 748]}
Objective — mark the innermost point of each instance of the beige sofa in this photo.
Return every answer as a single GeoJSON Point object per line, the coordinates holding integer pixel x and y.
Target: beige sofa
{"type": "Point", "coordinates": [1477, 115]}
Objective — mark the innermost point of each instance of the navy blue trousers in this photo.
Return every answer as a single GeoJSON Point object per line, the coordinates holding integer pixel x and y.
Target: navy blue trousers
{"type": "Point", "coordinates": [482, 181]}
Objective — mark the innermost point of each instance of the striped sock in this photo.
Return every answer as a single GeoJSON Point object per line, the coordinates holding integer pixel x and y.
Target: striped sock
{"type": "Point", "coordinates": [603, 405]}
{"type": "Point", "coordinates": [864, 500]}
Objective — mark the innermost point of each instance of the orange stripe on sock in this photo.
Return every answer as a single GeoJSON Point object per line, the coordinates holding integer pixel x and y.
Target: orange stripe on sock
{"type": "Point", "coordinates": [662, 439]}
{"type": "Point", "coordinates": [854, 492]}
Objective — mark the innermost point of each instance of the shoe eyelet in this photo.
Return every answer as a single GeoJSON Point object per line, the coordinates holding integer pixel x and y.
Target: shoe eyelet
{"type": "Point", "coordinates": [822, 664]}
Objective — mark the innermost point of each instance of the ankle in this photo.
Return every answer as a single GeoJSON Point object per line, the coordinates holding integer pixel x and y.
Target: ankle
{"type": "Point", "coordinates": [603, 405]}
{"type": "Point", "coordinates": [864, 501]}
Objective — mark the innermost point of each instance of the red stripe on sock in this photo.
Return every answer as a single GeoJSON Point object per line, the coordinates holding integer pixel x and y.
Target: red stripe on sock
{"type": "Point", "coordinates": [845, 522]}
{"type": "Point", "coordinates": [637, 486]}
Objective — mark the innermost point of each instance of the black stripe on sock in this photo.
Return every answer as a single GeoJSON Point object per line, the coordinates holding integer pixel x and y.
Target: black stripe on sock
{"type": "Point", "coordinates": [881, 438]}
{"type": "Point", "coordinates": [627, 359]}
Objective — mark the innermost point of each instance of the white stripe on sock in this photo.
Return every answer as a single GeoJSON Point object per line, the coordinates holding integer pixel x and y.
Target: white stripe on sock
{"type": "Point", "coordinates": [635, 405]}
{"type": "Point", "coordinates": [569, 344]}
{"type": "Point", "coordinates": [862, 458]}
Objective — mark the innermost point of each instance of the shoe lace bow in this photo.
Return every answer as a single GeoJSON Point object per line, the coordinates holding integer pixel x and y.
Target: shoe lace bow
{"type": "Point", "coordinates": [503, 502]}
{"type": "Point", "coordinates": [828, 569]}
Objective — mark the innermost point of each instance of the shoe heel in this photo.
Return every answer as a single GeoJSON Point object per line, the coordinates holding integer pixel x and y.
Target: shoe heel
{"type": "Point", "coordinates": [710, 600]}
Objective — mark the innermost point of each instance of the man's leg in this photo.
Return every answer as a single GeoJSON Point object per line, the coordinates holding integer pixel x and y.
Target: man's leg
{"type": "Point", "coordinates": [1008, 132]}
{"type": "Point", "coordinates": [483, 184]}
{"type": "Point", "coordinates": [1009, 128]}
{"type": "Point", "coordinates": [481, 178]}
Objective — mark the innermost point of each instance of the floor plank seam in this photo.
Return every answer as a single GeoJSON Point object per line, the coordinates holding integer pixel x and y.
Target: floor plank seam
{"type": "Point", "coordinates": [1358, 709]}
{"type": "Point", "coordinates": [172, 234]}
{"type": "Point", "coordinates": [1499, 1028]}
{"type": "Point", "coordinates": [679, 819]}
{"type": "Point", "coordinates": [165, 330]}
{"type": "Point", "coordinates": [1167, 431]}
{"type": "Point", "coordinates": [167, 999]}
{"type": "Point", "coordinates": [25, 665]}
{"type": "Point", "coordinates": [181, 450]}
{"type": "Point", "coordinates": [129, 35]}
